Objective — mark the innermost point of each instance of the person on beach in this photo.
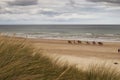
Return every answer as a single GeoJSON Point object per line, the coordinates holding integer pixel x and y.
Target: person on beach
{"type": "Point", "coordinates": [14, 34]}
{"type": "Point", "coordinates": [118, 50]}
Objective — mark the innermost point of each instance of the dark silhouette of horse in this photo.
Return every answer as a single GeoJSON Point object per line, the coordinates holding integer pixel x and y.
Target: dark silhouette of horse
{"type": "Point", "coordinates": [94, 42]}
{"type": "Point", "coordinates": [100, 43]}
{"type": "Point", "coordinates": [87, 42]}
{"type": "Point", "coordinates": [118, 50]}
{"type": "Point", "coordinates": [79, 42]}
{"type": "Point", "coordinates": [70, 42]}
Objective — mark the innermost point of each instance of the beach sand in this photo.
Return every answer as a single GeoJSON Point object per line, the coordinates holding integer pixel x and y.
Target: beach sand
{"type": "Point", "coordinates": [83, 54]}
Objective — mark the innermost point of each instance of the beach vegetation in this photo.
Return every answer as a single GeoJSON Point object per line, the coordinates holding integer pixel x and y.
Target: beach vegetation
{"type": "Point", "coordinates": [19, 60]}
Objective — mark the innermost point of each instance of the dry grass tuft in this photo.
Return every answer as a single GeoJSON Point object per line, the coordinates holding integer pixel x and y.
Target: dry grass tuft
{"type": "Point", "coordinates": [17, 62]}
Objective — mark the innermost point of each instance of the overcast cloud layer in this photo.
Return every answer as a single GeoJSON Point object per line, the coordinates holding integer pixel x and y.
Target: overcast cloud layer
{"type": "Point", "coordinates": [23, 2]}
{"type": "Point", "coordinates": [107, 1]}
{"type": "Point", "coordinates": [59, 11]}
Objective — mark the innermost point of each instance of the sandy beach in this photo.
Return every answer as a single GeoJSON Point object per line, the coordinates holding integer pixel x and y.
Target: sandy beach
{"type": "Point", "coordinates": [80, 54]}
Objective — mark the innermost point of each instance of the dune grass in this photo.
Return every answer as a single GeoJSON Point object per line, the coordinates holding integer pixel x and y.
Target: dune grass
{"type": "Point", "coordinates": [20, 61]}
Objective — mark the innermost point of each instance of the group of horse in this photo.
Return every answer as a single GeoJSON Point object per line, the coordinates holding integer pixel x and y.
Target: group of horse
{"type": "Point", "coordinates": [85, 42]}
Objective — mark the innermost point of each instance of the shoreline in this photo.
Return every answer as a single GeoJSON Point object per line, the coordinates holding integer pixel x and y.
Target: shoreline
{"type": "Point", "coordinates": [24, 35]}
{"type": "Point", "coordinates": [77, 39]}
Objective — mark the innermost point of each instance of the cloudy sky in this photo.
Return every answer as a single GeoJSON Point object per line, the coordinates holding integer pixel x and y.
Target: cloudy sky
{"type": "Point", "coordinates": [59, 11]}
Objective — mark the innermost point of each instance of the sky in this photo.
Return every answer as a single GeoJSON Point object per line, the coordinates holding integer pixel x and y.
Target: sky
{"type": "Point", "coordinates": [59, 11]}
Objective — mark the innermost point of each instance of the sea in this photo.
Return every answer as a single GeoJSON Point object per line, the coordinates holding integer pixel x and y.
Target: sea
{"type": "Point", "coordinates": [109, 33]}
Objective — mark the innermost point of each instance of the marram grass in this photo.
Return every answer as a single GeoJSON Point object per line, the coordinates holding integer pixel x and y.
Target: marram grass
{"type": "Point", "coordinates": [20, 61]}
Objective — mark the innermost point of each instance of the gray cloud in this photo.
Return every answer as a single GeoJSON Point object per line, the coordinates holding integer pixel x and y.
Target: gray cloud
{"type": "Point", "coordinates": [71, 3]}
{"type": "Point", "coordinates": [74, 4]}
{"type": "Point", "coordinates": [117, 2]}
{"type": "Point", "coordinates": [49, 13]}
{"type": "Point", "coordinates": [23, 2]}
{"type": "Point", "coordinates": [59, 10]}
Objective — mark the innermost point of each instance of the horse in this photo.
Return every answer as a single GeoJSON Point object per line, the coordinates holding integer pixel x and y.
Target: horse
{"type": "Point", "coordinates": [87, 42]}
{"type": "Point", "coordinates": [100, 43]}
{"type": "Point", "coordinates": [70, 42]}
{"type": "Point", "coordinates": [79, 42]}
{"type": "Point", "coordinates": [94, 42]}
